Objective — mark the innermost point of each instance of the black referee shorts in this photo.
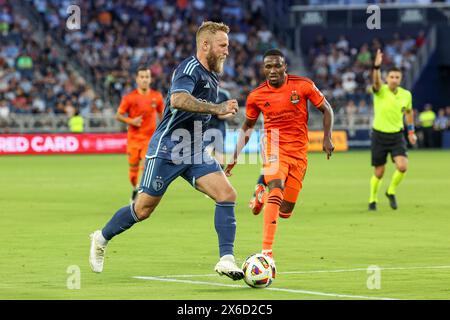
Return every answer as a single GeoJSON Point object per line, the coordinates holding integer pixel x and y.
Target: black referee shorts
{"type": "Point", "coordinates": [384, 143]}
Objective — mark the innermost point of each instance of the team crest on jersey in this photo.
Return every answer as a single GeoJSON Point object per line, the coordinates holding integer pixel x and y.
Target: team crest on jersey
{"type": "Point", "coordinates": [267, 104]}
{"type": "Point", "coordinates": [157, 184]}
{"type": "Point", "coordinates": [154, 105]}
{"type": "Point", "coordinates": [295, 98]}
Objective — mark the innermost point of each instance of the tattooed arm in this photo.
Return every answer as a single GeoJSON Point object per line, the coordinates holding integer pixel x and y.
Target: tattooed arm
{"type": "Point", "coordinates": [187, 102]}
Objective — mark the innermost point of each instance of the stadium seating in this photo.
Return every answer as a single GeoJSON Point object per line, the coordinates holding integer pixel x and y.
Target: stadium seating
{"type": "Point", "coordinates": [117, 38]}
{"type": "Point", "coordinates": [343, 72]}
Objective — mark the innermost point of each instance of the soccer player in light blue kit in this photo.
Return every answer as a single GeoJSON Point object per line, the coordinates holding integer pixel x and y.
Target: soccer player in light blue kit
{"type": "Point", "coordinates": [176, 149]}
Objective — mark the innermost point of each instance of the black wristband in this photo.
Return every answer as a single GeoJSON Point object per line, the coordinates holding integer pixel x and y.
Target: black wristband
{"type": "Point", "coordinates": [375, 67]}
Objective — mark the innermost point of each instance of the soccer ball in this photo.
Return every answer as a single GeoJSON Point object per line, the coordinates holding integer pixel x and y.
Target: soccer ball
{"type": "Point", "coordinates": [259, 270]}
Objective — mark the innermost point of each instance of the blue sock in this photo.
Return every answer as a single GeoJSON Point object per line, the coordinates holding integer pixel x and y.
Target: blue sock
{"type": "Point", "coordinates": [225, 224]}
{"type": "Point", "coordinates": [121, 221]}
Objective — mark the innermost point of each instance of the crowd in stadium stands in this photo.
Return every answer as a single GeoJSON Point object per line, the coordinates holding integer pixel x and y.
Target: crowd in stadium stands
{"type": "Point", "coordinates": [118, 36]}
{"type": "Point", "coordinates": [343, 72]}
{"type": "Point", "coordinates": [347, 2]}
{"type": "Point", "coordinates": [33, 78]}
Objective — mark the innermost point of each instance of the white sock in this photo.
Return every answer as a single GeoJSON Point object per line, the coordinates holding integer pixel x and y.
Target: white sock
{"type": "Point", "coordinates": [100, 239]}
{"type": "Point", "coordinates": [229, 257]}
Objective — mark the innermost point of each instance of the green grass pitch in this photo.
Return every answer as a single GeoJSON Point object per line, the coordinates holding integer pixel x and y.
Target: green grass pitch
{"type": "Point", "coordinates": [50, 204]}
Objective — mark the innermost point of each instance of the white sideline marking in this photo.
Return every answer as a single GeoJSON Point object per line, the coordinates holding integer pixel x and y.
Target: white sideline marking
{"type": "Point", "coordinates": [363, 269]}
{"type": "Point", "coordinates": [309, 271]}
{"type": "Point", "coordinates": [217, 284]}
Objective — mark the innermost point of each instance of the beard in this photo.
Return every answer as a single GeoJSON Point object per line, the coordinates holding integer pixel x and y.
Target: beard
{"type": "Point", "coordinates": [215, 63]}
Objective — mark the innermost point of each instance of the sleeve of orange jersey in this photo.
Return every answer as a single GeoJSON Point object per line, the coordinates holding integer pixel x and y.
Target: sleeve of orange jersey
{"type": "Point", "coordinates": [124, 106]}
{"type": "Point", "coordinates": [251, 109]}
{"type": "Point", "coordinates": [314, 95]}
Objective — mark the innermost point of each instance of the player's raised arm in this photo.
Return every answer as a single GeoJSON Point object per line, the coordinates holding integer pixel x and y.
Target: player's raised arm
{"type": "Point", "coordinates": [244, 136]}
{"type": "Point", "coordinates": [328, 119]}
{"type": "Point", "coordinates": [376, 72]}
{"type": "Point", "coordinates": [186, 102]}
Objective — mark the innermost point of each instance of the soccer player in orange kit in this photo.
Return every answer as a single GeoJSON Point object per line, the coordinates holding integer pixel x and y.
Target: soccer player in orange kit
{"type": "Point", "coordinates": [142, 105]}
{"type": "Point", "coordinates": [282, 99]}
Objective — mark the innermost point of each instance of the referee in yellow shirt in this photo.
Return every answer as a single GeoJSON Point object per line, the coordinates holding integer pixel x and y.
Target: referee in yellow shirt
{"type": "Point", "coordinates": [391, 102]}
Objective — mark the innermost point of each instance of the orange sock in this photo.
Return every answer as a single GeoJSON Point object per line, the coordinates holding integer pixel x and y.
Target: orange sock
{"type": "Point", "coordinates": [271, 210]}
{"type": "Point", "coordinates": [133, 175]}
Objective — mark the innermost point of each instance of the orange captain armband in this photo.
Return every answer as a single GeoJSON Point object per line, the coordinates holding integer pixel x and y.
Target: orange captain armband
{"type": "Point", "coordinates": [410, 129]}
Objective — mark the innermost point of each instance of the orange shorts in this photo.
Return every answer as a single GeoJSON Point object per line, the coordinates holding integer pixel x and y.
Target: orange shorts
{"type": "Point", "coordinates": [136, 153]}
{"type": "Point", "coordinates": [289, 170]}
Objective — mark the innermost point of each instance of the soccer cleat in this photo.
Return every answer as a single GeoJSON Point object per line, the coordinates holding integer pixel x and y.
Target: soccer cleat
{"type": "Point", "coordinates": [257, 202]}
{"type": "Point", "coordinates": [373, 206]}
{"type": "Point", "coordinates": [227, 266]}
{"type": "Point", "coordinates": [392, 200]}
{"type": "Point", "coordinates": [97, 253]}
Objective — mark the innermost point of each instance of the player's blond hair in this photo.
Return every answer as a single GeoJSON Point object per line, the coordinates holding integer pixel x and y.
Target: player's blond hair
{"type": "Point", "coordinates": [210, 28]}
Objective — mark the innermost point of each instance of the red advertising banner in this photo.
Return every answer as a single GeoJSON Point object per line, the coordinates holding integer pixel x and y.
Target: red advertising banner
{"type": "Point", "coordinates": [63, 143]}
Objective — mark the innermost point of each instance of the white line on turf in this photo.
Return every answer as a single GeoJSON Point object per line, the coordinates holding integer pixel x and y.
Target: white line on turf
{"type": "Point", "coordinates": [363, 269]}
{"type": "Point", "coordinates": [310, 271]}
{"type": "Point", "coordinates": [217, 284]}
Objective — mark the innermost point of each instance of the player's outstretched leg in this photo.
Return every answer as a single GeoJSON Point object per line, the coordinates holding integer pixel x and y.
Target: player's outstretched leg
{"type": "Point", "coordinates": [122, 220]}
{"type": "Point", "coordinates": [271, 212]}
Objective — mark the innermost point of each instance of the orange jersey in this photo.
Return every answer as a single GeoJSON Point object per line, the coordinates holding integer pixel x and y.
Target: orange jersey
{"type": "Point", "coordinates": [147, 106]}
{"type": "Point", "coordinates": [285, 109]}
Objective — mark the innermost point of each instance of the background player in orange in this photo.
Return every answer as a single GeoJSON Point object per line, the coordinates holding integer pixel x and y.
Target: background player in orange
{"type": "Point", "coordinates": [142, 105]}
{"type": "Point", "coordinates": [282, 99]}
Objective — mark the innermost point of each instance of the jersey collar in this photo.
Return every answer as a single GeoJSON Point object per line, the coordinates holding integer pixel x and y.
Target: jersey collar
{"type": "Point", "coordinates": [279, 88]}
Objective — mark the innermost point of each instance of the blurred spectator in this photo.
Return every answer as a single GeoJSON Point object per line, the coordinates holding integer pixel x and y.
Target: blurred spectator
{"type": "Point", "coordinates": [426, 118]}
{"type": "Point", "coordinates": [4, 113]}
{"type": "Point", "coordinates": [350, 111]}
{"type": "Point", "coordinates": [342, 44]}
{"type": "Point", "coordinates": [441, 124]}
{"type": "Point", "coordinates": [364, 57]}
{"type": "Point", "coordinates": [364, 110]}
{"type": "Point", "coordinates": [420, 39]}
{"type": "Point", "coordinates": [76, 123]}
{"type": "Point", "coordinates": [447, 113]}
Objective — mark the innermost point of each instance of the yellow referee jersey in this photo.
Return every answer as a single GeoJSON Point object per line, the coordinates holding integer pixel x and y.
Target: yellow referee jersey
{"type": "Point", "coordinates": [389, 108]}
